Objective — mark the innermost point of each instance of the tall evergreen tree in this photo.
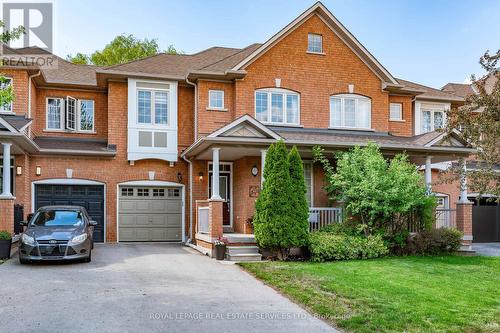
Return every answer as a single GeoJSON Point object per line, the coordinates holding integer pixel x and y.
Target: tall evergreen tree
{"type": "Point", "coordinates": [274, 220]}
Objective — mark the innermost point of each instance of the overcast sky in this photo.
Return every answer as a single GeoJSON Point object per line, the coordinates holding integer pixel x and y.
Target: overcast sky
{"type": "Point", "coordinates": [428, 41]}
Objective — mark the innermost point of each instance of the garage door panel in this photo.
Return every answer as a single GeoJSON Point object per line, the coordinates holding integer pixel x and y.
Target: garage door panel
{"type": "Point", "coordinates": [89, 196]}
{"type": "Point", "coordinates": [152, 217]}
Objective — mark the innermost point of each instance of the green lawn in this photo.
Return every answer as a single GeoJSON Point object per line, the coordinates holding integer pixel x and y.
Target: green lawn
{"type": "Point", "coordinates": [412, 294]}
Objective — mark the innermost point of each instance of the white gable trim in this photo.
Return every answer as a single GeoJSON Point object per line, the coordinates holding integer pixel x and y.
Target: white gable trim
{"type": "Point", "coordinates": [252, 121]}
{"type": "Point", "coordinates": [454, 134]}
{"type": "Point", "coordinates": [317, 9]}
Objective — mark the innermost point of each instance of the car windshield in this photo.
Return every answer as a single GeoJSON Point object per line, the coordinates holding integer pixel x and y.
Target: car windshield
{"type": "Point", "coordinates": [58, 218]}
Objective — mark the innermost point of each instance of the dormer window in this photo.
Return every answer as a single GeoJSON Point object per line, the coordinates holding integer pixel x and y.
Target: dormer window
{"type": "Point", "coordinates": [314, 43]}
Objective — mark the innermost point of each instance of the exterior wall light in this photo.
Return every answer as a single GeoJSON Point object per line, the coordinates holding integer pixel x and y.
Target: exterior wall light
{"type": "Point", "coordinates": [200, 176]}
{"type": "Point", "coordinates": [179, 176]}
{"type": "Point", "coordinates": [38, 171]}
{"type": "Point", "coordinates": [255, 171]}
{"type": "Point", "coordinates": [19, 170]}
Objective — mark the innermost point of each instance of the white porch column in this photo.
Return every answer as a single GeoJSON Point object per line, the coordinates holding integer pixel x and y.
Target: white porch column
{"type": "Point", "coordinates": [6, 170]}
{"type": "Point", "coordinates": [463, 181]}
{"type": "Point", "coordinates": [428, 174]}
{"type": "Point", "coordinates": [263, 153]}
{"type": "Point", "coordinates": [215, 174]}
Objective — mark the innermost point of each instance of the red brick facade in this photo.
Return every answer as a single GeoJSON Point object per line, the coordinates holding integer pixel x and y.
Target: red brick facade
{"type": "Point", "coordinates": [315, 77]}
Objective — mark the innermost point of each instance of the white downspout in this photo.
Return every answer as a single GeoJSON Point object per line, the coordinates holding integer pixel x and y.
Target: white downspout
{"type": "Point", "coordinates": [195, 108]}
{"type": "Point", "coordinates": [190, 199]}
{"type": "Point", "coordinates": [29, 100]}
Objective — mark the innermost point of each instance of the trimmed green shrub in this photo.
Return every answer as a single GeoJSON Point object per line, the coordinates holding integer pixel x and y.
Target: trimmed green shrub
{"type": "Point", "coordinates": [279, 220]}
{"type": "Point", "coordinates": [5, 235]}
{"type": "Point", "coordinates": [342, 228]}
{"type": "Point", "coordinates": [325, 246]}
{"type": "Point", "coordinates": [434, 241]}
{"type": "Point", "coordinates": [299, 230]}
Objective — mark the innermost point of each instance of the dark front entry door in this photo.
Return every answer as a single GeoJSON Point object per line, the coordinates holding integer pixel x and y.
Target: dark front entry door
{"type": "Point", "coordinates": [225, 194]}
{"type": "Point", "coordinates": [89, 196]}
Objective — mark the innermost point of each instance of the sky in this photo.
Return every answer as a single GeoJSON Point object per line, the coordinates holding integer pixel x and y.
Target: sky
{"type": "Point", "coordinates": [431, 42]}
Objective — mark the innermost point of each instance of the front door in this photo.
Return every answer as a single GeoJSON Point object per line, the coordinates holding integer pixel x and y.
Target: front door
{"type": "Point", "coordinates": [225, 194]}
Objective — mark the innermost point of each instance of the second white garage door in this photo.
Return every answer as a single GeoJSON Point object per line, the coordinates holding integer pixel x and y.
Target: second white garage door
{"type": "Point", "coordinates": [149, 214]}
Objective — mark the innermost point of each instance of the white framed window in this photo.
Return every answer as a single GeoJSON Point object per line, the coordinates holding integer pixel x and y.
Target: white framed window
{"type": "Point", "coordinates": [308, 180]}
{"type": "Point", "coordinates": [314, 43]}
{"type": "Point", "coordinates": [350, 111]}
{"type": "Point", "coordinates": [396, 111]}
{"type": "Point", "coordinates": [277, 106]}
{"type": "Point", "coordinates": [55, 115]}
{"type": "Point", "coordinates": [71, 114]}
{"type": "Point", "coordinates": [86, 115]}
{"type": "Point", "coordinates": [6, 84]}
{"type": "Point", "coordinates": [152, 106]}
{"type": "Point", "coordinates": [432, 120]}
{"type": "Point", "coordinates": [216, 99]}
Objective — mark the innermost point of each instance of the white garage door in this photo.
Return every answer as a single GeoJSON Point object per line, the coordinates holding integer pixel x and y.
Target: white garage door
{"type": "Point", "coordinates": [149, 214]}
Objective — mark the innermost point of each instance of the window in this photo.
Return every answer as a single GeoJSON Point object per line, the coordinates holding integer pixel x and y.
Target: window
{"type": "Point", "coordinates": [70, 114]}
{"type": "Point", "coordinates": [396, 111]}
{"type": "Point", "coordinates": [158, 192]}
{"type": "Point", "coordinates": [127, 192]}
{"type": "Point", "coordinates": [432, 120]}
{"type": "Point", "coordinates": [86, 115]}
{"type": "Point", "coordinates": [350, 111]}
{"type": "Point", "coordinates": [216, 99]}
{"type": "Point", "coordinates": [54, 113]}
{"type": "Point", "coordinates": [152, 105]}
{"type": "Point", "coordinates": [143, 192]}
{"type": "Point", "coordinates": [277, 106]}
{"type": "Point", "coordinates": [315, 43]}
{"type": "Point", "coordinates": [308, 179]}
{"type": "Point", "coordinates": [5, 84]}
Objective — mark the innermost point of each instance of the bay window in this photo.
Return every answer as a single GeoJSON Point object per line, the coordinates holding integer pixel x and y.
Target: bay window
{"type": "Point", "coordinates": [432, 120]}
{"type": "Point", "coordinates": [152, 107]}
{"type": "Point", "coordinates": [277, 106]}
{"type": "Point", "coordinates": [350, 111]}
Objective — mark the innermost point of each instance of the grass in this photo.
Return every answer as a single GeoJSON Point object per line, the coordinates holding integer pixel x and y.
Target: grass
{"type": "Point", "coordinates": [404, 294]}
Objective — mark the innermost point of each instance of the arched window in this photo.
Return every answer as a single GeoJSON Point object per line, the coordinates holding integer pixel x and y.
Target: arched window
{"type": "Point", "coordinates": [350, 111]}
{"type": "Point", "coordinates": [277, 106]}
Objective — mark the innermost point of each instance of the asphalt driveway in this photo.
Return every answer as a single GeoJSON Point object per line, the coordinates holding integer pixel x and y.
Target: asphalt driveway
{"type": "Point", "coordinates": [487, 249]}
{"type": "Point", "coordinates": [144, 288]}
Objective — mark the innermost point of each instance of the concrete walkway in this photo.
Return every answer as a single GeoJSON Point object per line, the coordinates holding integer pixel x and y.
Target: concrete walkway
{"type": "Point", "coordinates": [487, 249]}
{"type": "Point", "coordinates": [144, 288]}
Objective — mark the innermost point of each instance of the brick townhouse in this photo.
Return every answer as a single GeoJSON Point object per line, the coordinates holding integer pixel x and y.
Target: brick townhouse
{"type": "Point", "coordinates": [138, 144]}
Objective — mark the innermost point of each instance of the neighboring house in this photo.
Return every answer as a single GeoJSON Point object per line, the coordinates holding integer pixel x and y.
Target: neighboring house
{"type": "Point", "coordinates": [138, 144]}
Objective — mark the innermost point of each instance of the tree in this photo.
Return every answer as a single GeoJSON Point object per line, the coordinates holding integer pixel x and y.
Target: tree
{"type": "Point", "coordinates": [275, 221]}
{"type": "Point", "coordinates": [374, 190]}
{"type": "Point", "coordinates": [479, 123]}
{"type": "Point", "coordinates": [121, 49]}
{"type": "Point", "coordinates": [6, 93]}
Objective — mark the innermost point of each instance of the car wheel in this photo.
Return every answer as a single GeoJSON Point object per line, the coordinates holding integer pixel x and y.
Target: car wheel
{"type": "Point", "coordinates": [89, 258]}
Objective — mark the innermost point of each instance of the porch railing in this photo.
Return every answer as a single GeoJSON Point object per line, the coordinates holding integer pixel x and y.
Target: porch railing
{"type": "Point", "coordinates": [322, 216]}
{"type": "Point", "coordinates": [445, 218]}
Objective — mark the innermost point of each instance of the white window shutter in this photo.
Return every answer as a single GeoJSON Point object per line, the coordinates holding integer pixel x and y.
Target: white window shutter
{"type": "Point", "coordinates": [70, 113]}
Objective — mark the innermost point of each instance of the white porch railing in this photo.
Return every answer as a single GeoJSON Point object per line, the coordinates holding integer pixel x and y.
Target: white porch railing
{"type": "Point", "coordinates": [320, 217]}
{"type": "Point", "coordinates": [203, 220]}
{"type": "Point", "coordinates": [445, 218]}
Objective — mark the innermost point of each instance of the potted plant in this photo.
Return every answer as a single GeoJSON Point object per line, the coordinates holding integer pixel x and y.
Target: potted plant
{"type": "Point", "coordinates": [220, 248]}
{"type": "Point", "coordinates": [5, 243]}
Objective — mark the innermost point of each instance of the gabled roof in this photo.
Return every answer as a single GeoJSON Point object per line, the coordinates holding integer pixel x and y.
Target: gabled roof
{"type": "Point", "coordinates": [340, 30]}
{"type": "Point", "coordinates": [426, 92]}
{"type": "Point", "coordinates": [246, 126]}
{"type": "Point", "coordinates": [14, 123]}
{"type": "Point", "coordinates": [459, 89]}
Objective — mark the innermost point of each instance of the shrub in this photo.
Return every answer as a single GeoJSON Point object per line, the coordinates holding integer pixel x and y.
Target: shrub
{"type": "Point", "coordinates": [325, 246]}
{"type": "Point", "coordinates": [5, 235]}
{"type": "Point", "coordinates": [435, 241]}
{"type": "Point", "coordinates": [279, 222]}
{"type": "Point", "coordinates": [342, 228]}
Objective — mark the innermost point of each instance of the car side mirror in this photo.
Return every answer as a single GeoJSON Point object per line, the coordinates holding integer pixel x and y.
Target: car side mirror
{"type": "Point", "coordinates": [30, 215]}
{"type": "Point", "coordinates": [23, 223]}
{"type": "Point", "coordinates": [93, 223]}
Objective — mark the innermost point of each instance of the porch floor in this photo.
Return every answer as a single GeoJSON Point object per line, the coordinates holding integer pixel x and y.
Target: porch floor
{"type": "Point", "coordinates": [235, 238]}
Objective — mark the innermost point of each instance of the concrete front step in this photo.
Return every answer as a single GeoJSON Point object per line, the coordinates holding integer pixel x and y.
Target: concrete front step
{"type": "Point", "coordinates": [245, 249]}
{"type": "Point", "coordinates": [244, 257]}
